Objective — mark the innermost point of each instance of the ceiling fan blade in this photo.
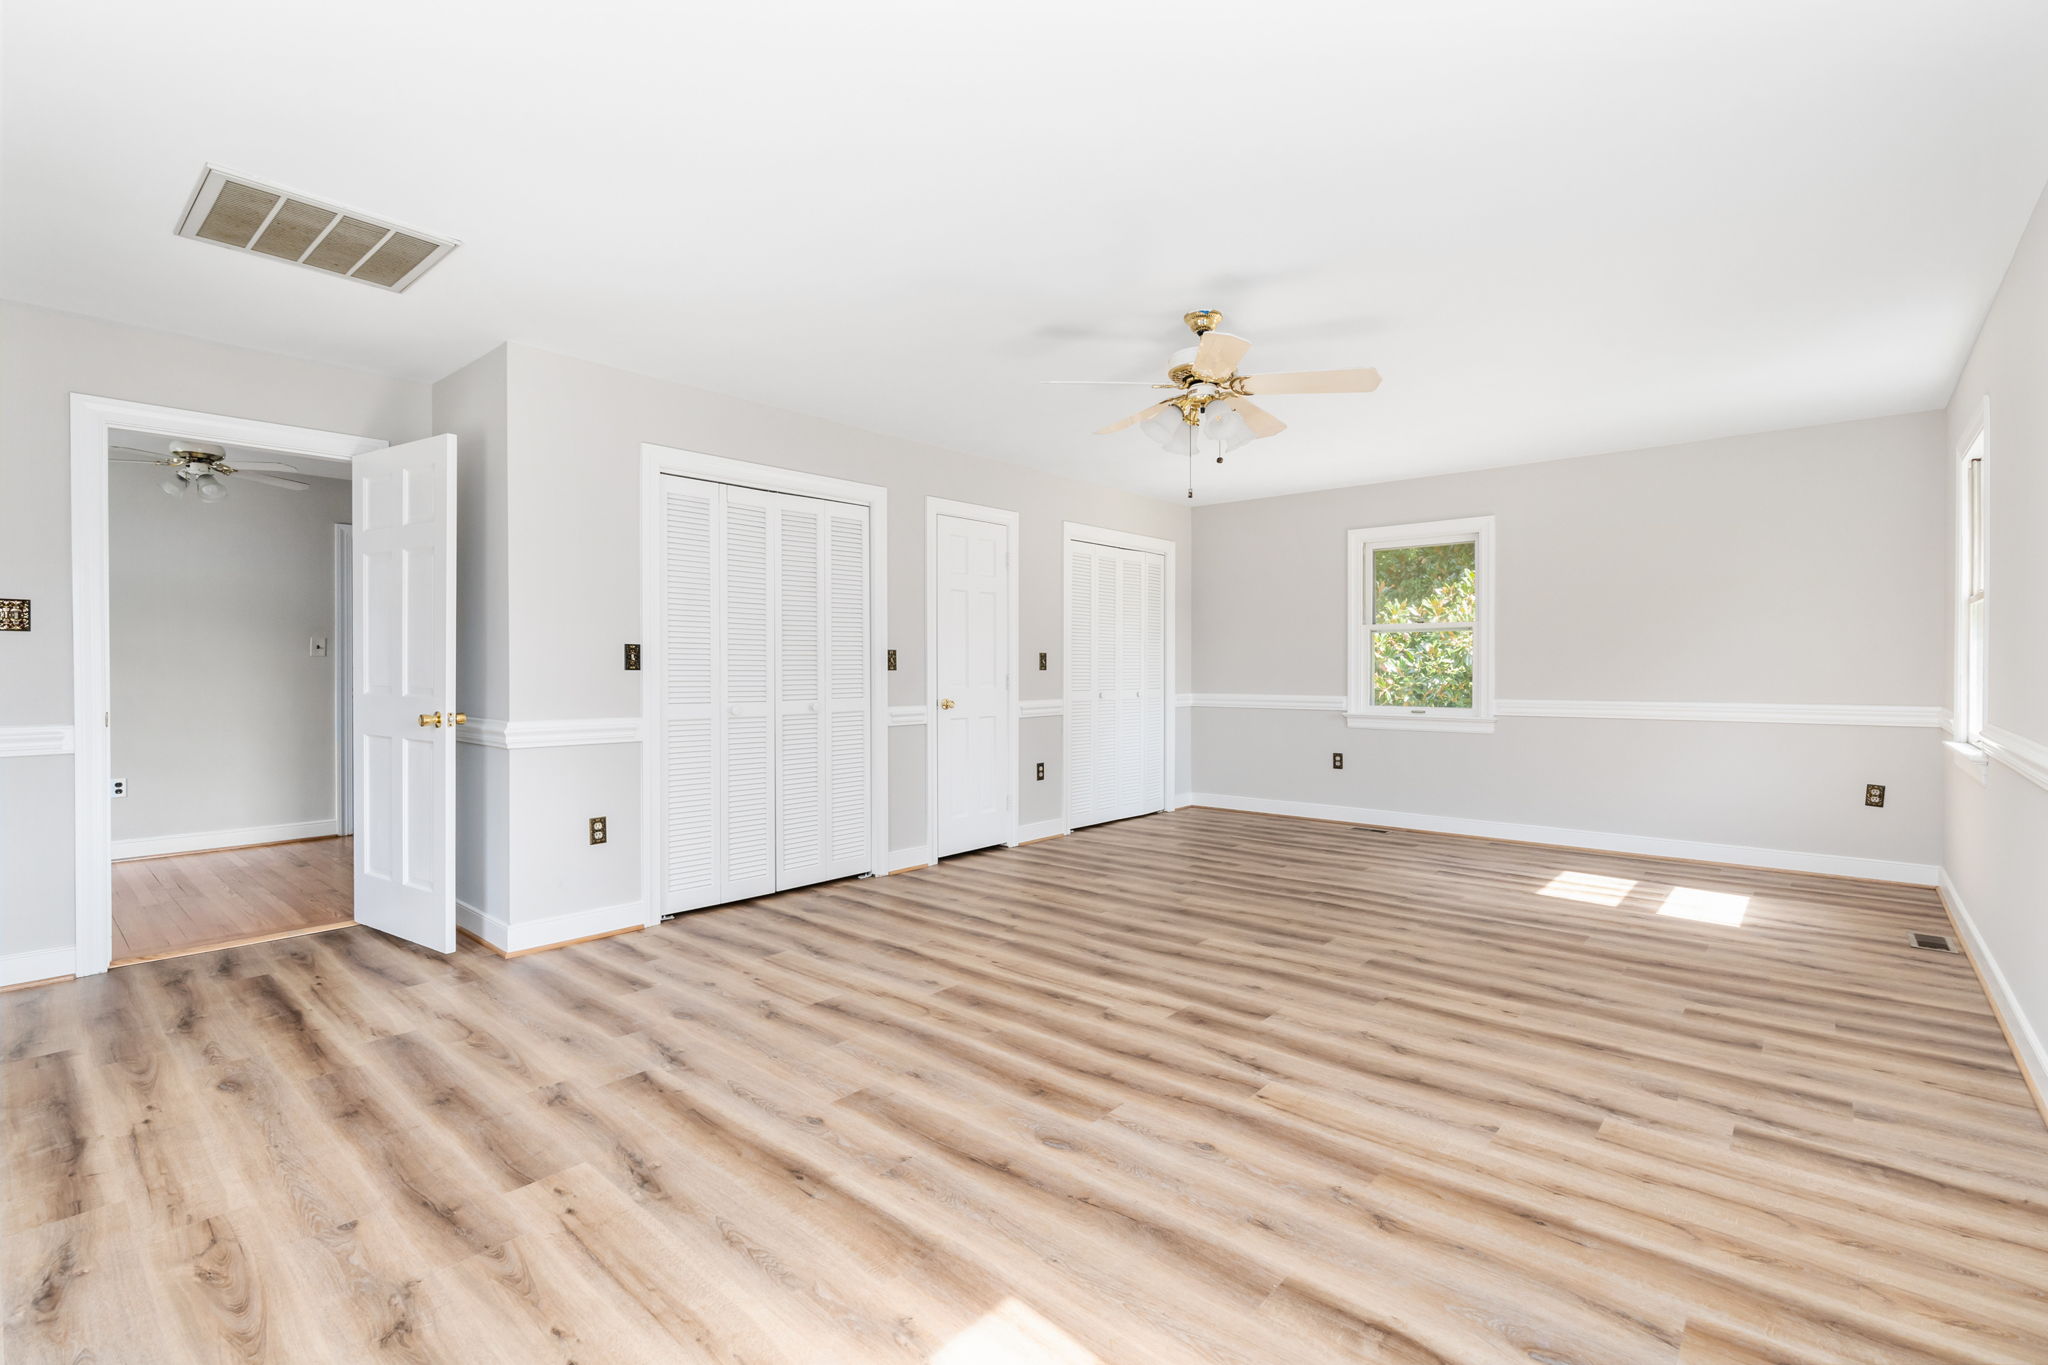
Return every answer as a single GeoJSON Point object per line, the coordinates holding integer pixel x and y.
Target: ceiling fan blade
{"type": "Point", "coordinates": [1261, 422]}
{"type": "Point", "coordinates": [1313, 381]}
{"type": "Point", "coordinates": [242, 472]}
{"type": "Point", "coordinates": [1133, 419]}
{"type": "Point", "coordinates": [266, 466]}
{"type": "Point", "coordinates": [132, 453]}
{"type": "Point", "coordinates": [1137, 383]}
{"type": "Point", "coordinates": [1219, 353]}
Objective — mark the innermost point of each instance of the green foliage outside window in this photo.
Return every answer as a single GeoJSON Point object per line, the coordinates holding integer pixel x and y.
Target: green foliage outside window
{"type": "Point", "coordinates": [1424, 584]}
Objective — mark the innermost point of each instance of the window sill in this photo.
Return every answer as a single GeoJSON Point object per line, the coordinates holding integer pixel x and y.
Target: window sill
{"type": "Point", "coordinates": [1464, 725]}
{"type": "Point", "coordinates": [1968, 757]}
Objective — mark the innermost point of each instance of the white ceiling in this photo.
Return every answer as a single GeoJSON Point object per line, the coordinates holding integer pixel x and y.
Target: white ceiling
{"type": "Point", "coordinates": [1557, 228]}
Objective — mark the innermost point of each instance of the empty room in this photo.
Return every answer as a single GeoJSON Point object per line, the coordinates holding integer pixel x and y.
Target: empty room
{"type": "Point", "coordinates": [1109, 684]}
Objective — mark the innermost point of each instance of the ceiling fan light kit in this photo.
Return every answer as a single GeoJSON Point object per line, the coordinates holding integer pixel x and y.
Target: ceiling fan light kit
{"type": "Point", "coordinates": [206, 468]}
{"type": "Point", "coordinates": [1213, 405]}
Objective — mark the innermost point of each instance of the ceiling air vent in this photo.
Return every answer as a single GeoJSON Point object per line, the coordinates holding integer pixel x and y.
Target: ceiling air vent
{"type": "Point", "coordinates": [238, 212]}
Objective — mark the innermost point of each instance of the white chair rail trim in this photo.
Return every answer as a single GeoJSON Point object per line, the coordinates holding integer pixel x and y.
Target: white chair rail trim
{"type": "Point", "coordinates": [25, 741]}
{"type": "Point", "coordinates": [548, 734]}
{"type": "Point", "coordinates": [1774, 713]}
{"type": "Point", "coordinates": [2028, 758]}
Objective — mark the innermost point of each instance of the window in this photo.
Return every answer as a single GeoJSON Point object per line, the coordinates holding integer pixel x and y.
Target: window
{"type": "Point", "coordinates": [1972, 614]}
{"type": "Point", "coordinates": [1420, 655]}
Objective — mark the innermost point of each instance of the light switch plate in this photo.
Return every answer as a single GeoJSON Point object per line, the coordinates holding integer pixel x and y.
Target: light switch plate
{"type": "Point", "coordinates": [317, 647]}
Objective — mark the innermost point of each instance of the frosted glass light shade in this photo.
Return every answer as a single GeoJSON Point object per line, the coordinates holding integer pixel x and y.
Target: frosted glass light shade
{"type": "Point", "coordinates": [211, 489]}
{"type": "Point", "coordinates": [174, 484]}
{"type": "Point", "coordinates": [1223, 430]}
{"type": "Point", "coordinates": [1167, 429]}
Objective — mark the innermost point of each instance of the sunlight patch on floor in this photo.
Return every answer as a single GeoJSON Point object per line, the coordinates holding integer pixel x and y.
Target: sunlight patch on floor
{"type": "Point", "coordinates": [1708, 907]}
{"type": "Point", "coordinates": [1589, 887]}
{"type": "Point", "coordinates": [1013, 1333]}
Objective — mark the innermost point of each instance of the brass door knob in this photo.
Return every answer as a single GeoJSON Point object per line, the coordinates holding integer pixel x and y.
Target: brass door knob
{"type": "Point", "coordinates": [945, 703]}
{"type": "Point", "coordinates": [433, 720]}
{"type": "Point", "coordinates": [459, 718]}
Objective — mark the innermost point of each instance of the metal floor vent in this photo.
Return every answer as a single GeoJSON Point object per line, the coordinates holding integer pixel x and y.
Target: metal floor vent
{"type": "Point", "coordinates": [234, 211]}
{"type": "Point", "coordinates": [1940, 943]}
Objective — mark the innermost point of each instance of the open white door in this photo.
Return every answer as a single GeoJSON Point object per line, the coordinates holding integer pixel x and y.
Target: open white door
{"type": "Point", "coordinates": [404, 510]}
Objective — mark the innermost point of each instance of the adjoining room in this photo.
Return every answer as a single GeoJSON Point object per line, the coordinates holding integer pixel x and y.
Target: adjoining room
{"type": "Point", "coordinates": [230, 725]}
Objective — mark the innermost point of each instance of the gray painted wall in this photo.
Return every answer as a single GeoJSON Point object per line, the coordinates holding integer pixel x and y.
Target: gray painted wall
{"type": "Point", "coordinates": [222, 719]}
{"type": "Point", "coordinates": [1998, 828]}
{"type": "Point", "coordinates": [45, 357]}
{"type": "Point", "coordinates": [1800, 566]}
{"type": "Point", "coordinates": [573, 453]}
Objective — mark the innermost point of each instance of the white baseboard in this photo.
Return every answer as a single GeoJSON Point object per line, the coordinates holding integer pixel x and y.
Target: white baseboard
{"type": "Point", "coordinates": [1743, 855]}
{"type": "Point", "coordinates": [2026, 1040]}
{"type": "Point", "coordinates": [552, 931]}
{"type": "Point", "coordinates": [902, 859]}
{"type": "Point", "coordinates": [207, 840]}
{"type": "Point", "coordinates": [15, 968]}
{"type": "Point", "coordinates": [1043, 829]}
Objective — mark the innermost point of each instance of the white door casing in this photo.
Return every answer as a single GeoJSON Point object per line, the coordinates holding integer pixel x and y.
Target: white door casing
{"type": "Point", "coordinates": [972, 660]}
{"type": "Point", "coordinates": [404, 663]}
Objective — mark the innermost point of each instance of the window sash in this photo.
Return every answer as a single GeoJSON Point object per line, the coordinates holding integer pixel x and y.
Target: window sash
{"type": "Point", "coordinates": [1369, 602]}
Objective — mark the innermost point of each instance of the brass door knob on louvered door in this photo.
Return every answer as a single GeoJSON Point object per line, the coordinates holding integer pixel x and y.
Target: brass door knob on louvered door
{"type": "Point", "coordinates": [945, 703]}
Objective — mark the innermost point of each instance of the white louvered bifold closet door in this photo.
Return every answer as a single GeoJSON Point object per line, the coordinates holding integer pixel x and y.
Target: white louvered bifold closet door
{"type": "Point", "coordinates": [848, 706]}
{"type": "Point", "coordinates": [822, 691]}
{"type": "Point", "coordinates": [765, 716]}
{"type": "Point", "coordinates": [689, 725]}
{"type": "Point", "coordinates": [746, 671]}
{"type": "Point", "coordinates": [1116, 683]}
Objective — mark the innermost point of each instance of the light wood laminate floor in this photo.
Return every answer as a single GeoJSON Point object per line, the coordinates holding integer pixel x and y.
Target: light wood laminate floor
{"type": "Point", "coordinates": [1198, 1087]}
{"type": "Point", "coordinates": [190, 902]}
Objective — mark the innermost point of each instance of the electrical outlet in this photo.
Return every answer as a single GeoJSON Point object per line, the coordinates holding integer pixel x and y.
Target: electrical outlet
{"type": "Point", "coordinates": [1041, 772]}
{"type": "Point", "coordinates": [317, 647]}
{"type": "Point", "coordinates": [1873, 794]}
{"type": "Point", "coordinates": [632, 658]}
{"type": "Point", "coordinates": [1336, 760]}
{"type": "Point", "coordinates": [1041, 661]}
{"type": "Point", "coordinates": [120, 786]}
{"type": "Point", "coordinates": [892, 661]}
{"type": "Point", "coordinates": [597, 829]}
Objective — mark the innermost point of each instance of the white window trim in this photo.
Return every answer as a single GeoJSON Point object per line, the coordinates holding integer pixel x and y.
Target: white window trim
{"type": "Point", "coordinates": [1359, 713]}
{"type": "Point", "coordinates": [1968, 749]}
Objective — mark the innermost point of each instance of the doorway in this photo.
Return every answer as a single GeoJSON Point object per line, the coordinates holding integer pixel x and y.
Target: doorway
{"type": "Point", "coordinates": [402, 664]}
{"type": "Point", "coordinates": [970, 676]}
{"type": "Point", "coordinates": [223, 623]}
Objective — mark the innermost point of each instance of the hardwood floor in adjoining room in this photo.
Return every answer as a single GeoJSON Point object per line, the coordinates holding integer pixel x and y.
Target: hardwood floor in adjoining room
{"type": "Point", "coordinates": [1190, 1088]}
{"type": "Point", "coordinates": [190, 902]}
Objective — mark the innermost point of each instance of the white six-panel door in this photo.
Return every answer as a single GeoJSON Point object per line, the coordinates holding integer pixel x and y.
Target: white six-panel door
{"type": "Point", "coordinates": [971, 662]}
{"type": "Point", "coordinates": [1116, 683]}
{"type": "Point", "coordinates": [764, 699]}
{"type": "Point", "coordinates": [404, 663]}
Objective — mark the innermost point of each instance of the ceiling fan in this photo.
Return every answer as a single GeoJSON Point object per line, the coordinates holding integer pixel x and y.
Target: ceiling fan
{"type": "Point", "coordinates": [205, 468]}
{"type": "Point", "coordinates": [1213, 402]}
